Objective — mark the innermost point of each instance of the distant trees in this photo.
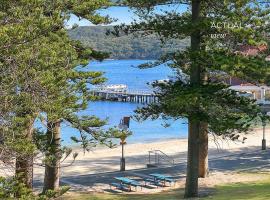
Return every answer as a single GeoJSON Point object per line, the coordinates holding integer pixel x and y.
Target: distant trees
{"type": "Point", "coordinates": [207, 102]}
{"type": "Point", "coordinates": [125, 46]}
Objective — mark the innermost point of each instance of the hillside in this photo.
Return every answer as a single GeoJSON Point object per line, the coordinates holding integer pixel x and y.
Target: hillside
{"type": "Point", "coordinates": [124, 47]}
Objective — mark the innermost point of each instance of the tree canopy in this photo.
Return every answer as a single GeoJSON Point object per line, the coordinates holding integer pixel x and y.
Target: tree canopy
{"type": "Point", "coordinates": [42, 77]}
{"type": "Point", "coordinates": [195, 93]}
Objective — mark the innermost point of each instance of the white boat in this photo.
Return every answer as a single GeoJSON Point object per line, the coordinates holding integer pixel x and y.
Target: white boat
{"type": "Point", "coordinates": [114, 88]}
{"type": "Point", "coordinates": [163, 80]}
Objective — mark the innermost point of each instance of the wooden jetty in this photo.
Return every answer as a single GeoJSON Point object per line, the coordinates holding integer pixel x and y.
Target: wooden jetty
{"type": "Point", "coordinates": [120, 92]}
{"type": "Point", "coordinates": [126, 96]}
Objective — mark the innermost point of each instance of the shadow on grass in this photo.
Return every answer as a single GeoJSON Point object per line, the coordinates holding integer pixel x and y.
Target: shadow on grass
{"type": "Point", "coordinates": [237, 191]}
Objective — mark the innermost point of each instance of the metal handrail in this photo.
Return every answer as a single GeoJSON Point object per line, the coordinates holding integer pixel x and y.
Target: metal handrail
{"type": "Point", "coordinates": [160, 154]}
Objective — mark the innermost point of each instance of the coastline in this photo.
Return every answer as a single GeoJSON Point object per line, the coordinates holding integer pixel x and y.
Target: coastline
{"type": "Point", "coordinates": [132, 142]}
{"type": "Point", "coordinates": [104, 159]}
{"type": "Point", "coordinates": [157, 140]}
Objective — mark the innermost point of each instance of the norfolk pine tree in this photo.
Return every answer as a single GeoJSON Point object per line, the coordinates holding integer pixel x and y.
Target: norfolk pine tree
{"type": "Point", "coordinates": [208, 103]}
{"type": "Point", "coordinates": [21, 23]}
{"type": "Point", "coordinates": [67, 94]}
{"type": "Point", "coordinates": [41, 23]}
{"type": "Point", "coordinates": [72, 94]}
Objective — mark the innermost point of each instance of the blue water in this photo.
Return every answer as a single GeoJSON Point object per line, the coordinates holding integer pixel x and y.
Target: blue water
{"type": "Point", "coordinates": [126, 72]}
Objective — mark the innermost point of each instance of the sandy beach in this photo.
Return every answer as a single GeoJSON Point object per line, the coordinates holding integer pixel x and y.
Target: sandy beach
{"type": "Point", "coordinates": [103, 159]}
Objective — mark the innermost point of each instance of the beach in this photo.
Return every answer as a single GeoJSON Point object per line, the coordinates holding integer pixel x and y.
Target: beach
{"type": "Point", "coordinates": [103, 159]}
{"type": "Point", "coordinates": [102, 163]}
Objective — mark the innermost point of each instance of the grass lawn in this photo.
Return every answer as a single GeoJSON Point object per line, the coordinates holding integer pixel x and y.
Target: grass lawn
{"type": "Point", "coordinates": [239, 191]}
{"type": "Point", "coordinates": [243, 191]}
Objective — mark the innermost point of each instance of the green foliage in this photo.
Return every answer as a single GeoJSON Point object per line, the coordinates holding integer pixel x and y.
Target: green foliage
{"type": "Point", "coordinates": [223, 109]}
{"type": "Point", "coordinates": [91, 133]}
{"type": "Point", "coordinates": [194, 93]}
{"type": "Point", "coordinates": [11, 186]}
{"type": "Point", "coordinates": [41, 74]}
{"type": "Point", "coordinates": [125, 46]}
{"type": "Point", "coordinates": [39, 66]}
{"type": "Point", "coordinates": [51, 194]}
{"type": "Point", "coordinates": [120, 134]}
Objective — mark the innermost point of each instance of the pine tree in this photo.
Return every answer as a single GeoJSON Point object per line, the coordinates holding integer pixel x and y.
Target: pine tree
{"type": "Point", "coordinates": [39, 74]}
{"type": "Point", "coordinates": [216, 31]}
{"type": "Point", "coordinates": [70, 87]}
{"type": "Point", "coordinates": [21, 24]}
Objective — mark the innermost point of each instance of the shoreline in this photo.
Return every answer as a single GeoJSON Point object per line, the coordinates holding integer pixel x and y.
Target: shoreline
{"type": "Point", "coordinates": [150, 141]}
{"type": "Point", "coordinates": [158, 140]}
{"type": "Point", "coordinates": [95, 169]}
{"type": "Point", "coordinates": [103, 159]}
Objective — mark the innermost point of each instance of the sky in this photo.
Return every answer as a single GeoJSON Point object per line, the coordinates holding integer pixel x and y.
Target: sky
{"type": "Point", "coordinates": [123, 14]}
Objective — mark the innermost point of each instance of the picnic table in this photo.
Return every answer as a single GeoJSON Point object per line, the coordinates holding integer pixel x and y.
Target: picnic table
{"type": "Point", "coordinates": [128, 182]}
{"type": "Point", "coordinates": [163, 178]}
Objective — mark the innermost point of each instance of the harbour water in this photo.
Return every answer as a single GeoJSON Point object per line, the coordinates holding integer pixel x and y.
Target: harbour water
{"type": "Point", "coordinates": [127, 72]}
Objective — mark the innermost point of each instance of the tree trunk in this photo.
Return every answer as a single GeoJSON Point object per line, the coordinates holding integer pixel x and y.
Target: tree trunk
{"type": "Point", "coordinates": [24, 162]}
{"type": "Point", "coordinates": [203, 150]}
{"type": "Point", "coordinates": [53, 156]}
{"type": "Point", "coordinates": [191, 189]}
{"type": "Point", "coordinates": [24, 171]}
{"type": "Point", "coordinates": [203, 143]}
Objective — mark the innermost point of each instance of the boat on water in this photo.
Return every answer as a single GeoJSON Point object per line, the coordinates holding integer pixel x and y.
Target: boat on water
{"type": "Point", "coordinates": [114, 88]}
